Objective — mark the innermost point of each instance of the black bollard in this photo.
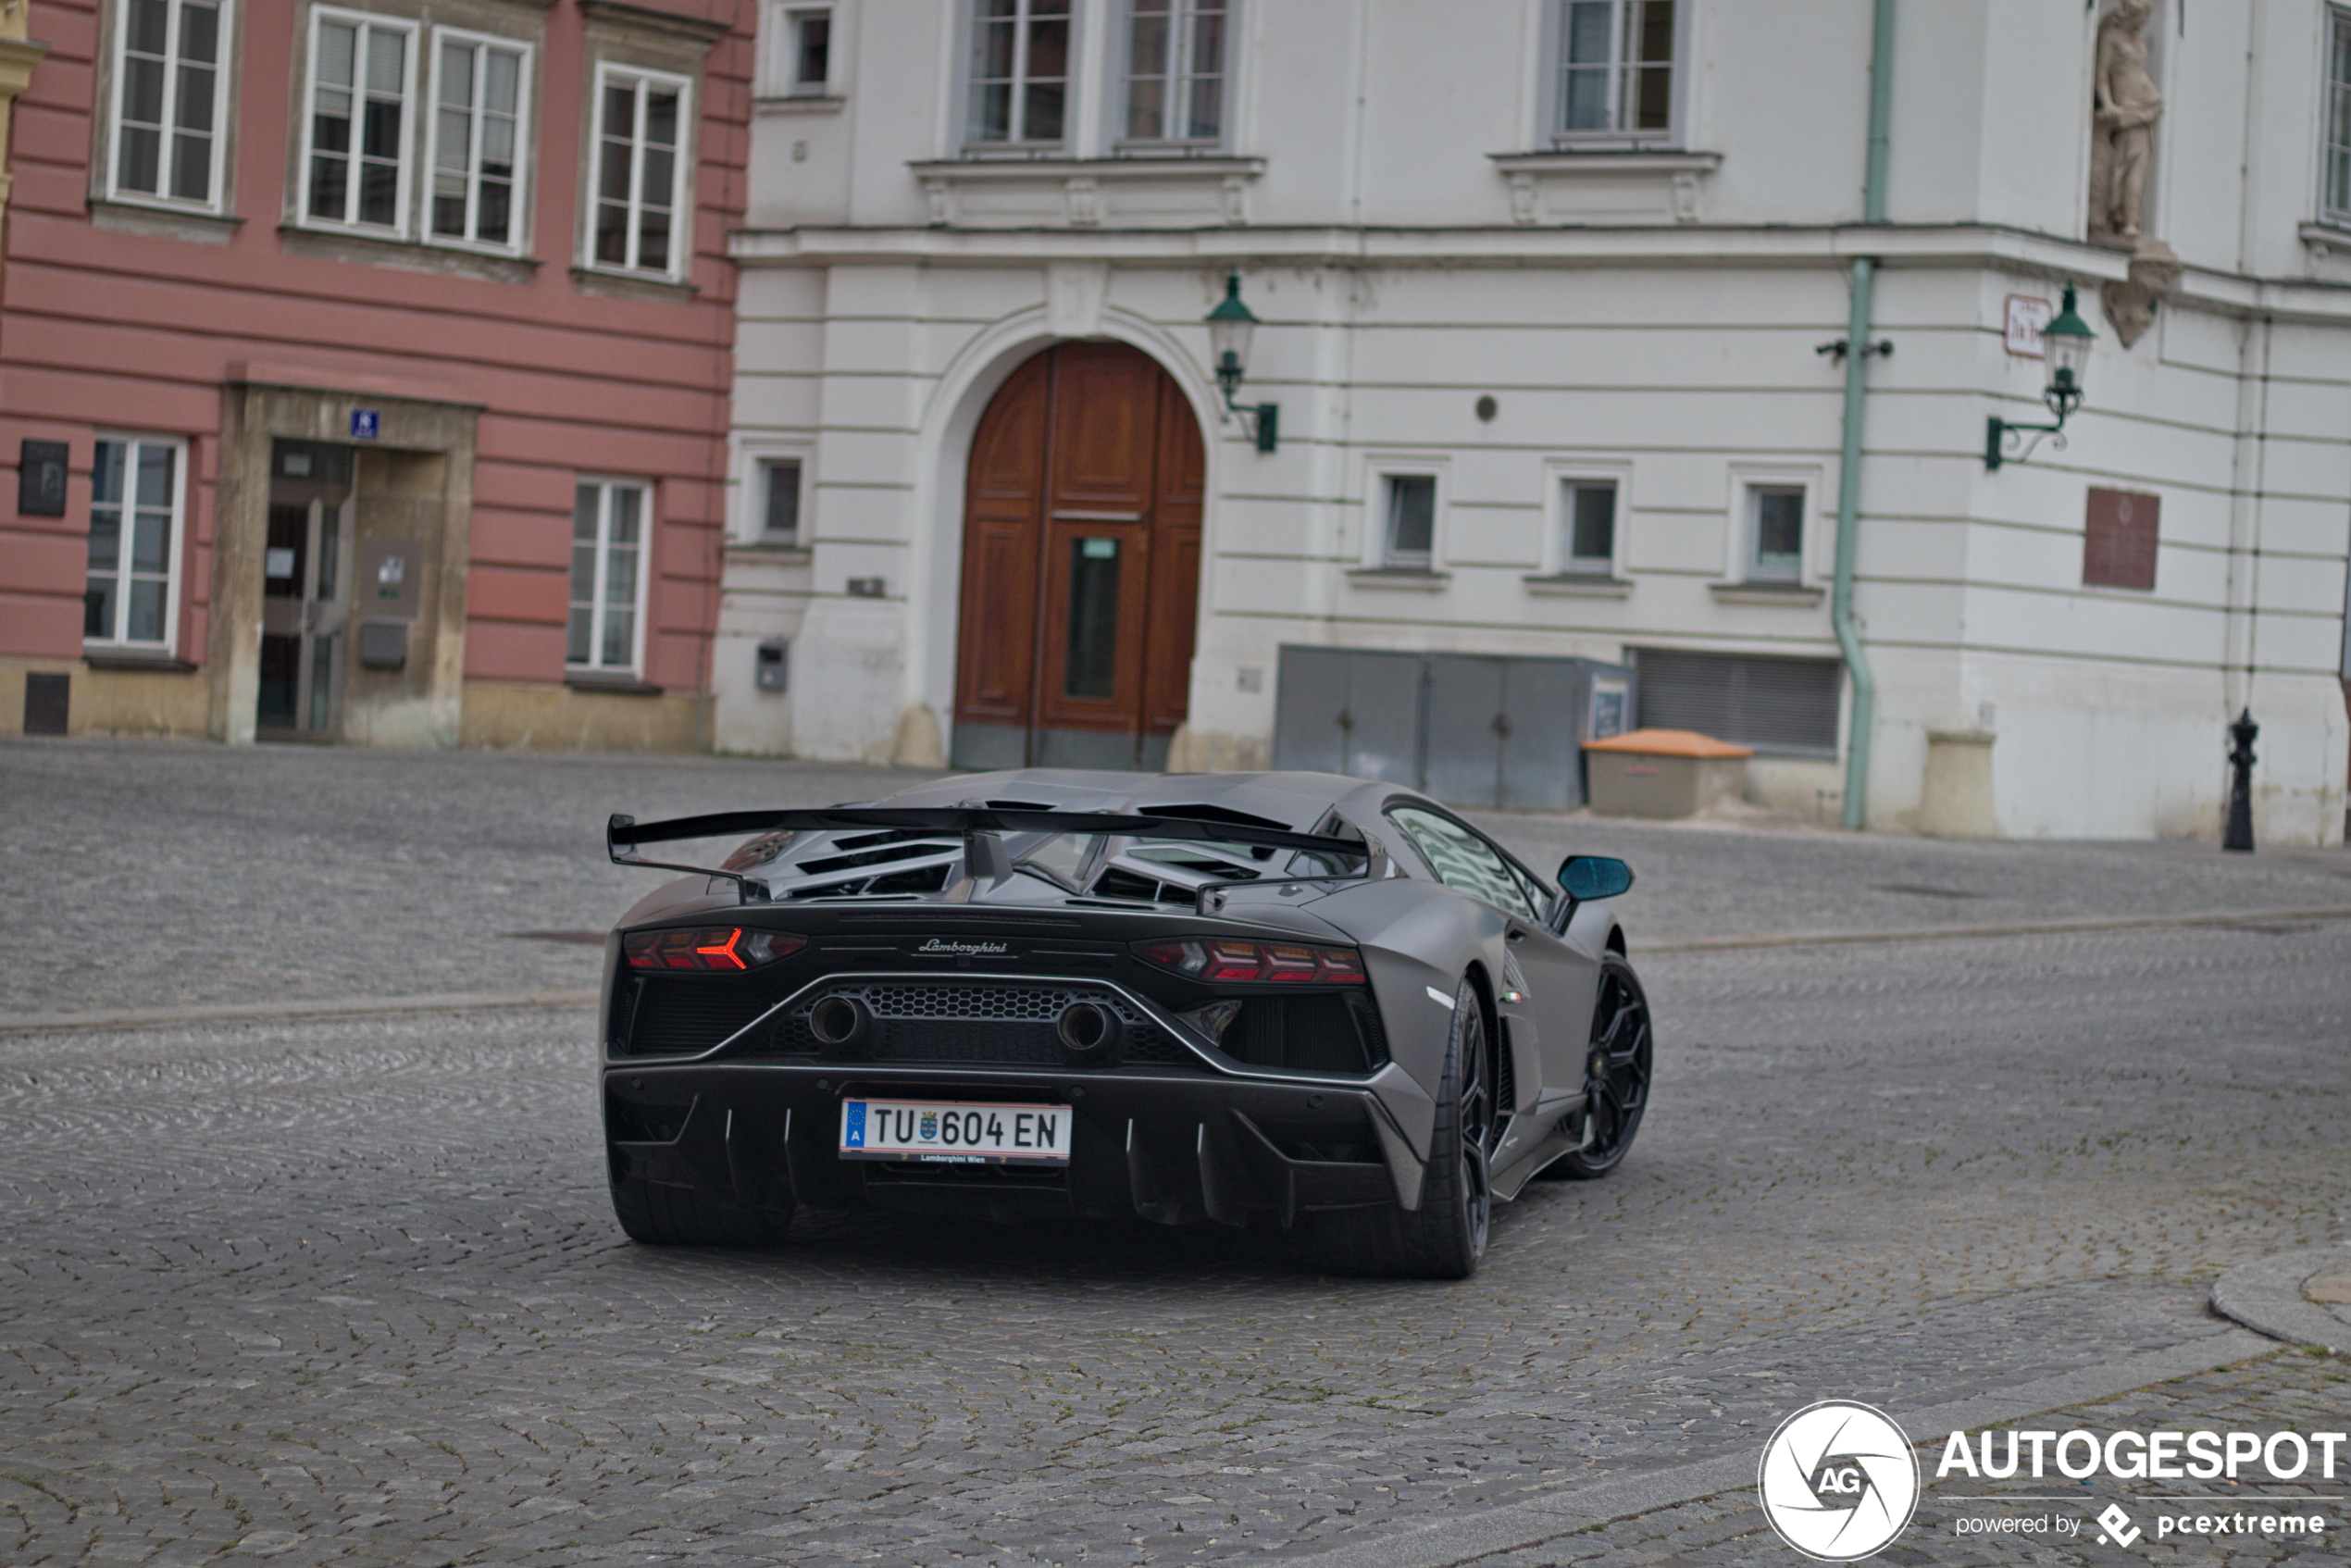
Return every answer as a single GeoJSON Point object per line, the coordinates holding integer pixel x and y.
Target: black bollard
{"type": "Point", "coordinates": [2239, 833]}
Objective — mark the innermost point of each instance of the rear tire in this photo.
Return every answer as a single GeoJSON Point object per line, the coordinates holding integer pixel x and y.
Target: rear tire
{"type": "Point", "coordinates": [656, 1214]}
{"type": "Point", "coordinates": [1446, 1235]}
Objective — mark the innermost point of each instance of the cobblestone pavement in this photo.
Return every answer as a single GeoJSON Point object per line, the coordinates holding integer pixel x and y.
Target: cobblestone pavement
{"type": "Point", "coordinates": [307, 873]}
{"type": "Point", "coordinates": [2052, 1524]}
{"type": "Point", "coordinates": [350, 1291]}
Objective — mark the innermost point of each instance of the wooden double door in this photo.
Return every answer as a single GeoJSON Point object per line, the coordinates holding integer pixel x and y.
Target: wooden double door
{"type": "Point", "coordinates": [1081, 565]}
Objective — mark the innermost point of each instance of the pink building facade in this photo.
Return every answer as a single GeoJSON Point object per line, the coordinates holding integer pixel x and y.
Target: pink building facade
{"type": "Point", "coordinates": [365, 369]}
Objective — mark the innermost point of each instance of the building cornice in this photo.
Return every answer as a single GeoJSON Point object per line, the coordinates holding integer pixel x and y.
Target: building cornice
{"type": "Point", "coordinates": [2015, 251]}
{"type": "Point", "coordinates": [1005, 168]}
{"type": "Point", "coordinates": [652, 19]}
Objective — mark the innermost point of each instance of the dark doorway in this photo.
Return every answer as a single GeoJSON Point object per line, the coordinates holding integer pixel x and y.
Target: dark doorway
{"type": "Point", "coordinates": [305, 592]}
{"type": "Point", "coordinates": [1081, 565]}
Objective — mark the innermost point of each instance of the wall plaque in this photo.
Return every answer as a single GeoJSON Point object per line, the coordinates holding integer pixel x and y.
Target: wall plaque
{"type": "Point", "coordinates": [2119, 540]}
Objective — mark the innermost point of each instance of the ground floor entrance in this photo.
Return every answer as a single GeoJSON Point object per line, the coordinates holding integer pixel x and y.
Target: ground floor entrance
{"type": "Point", "coordinates": [305, 594]}
{"type": "Point", "coordinates": [1081, 565]}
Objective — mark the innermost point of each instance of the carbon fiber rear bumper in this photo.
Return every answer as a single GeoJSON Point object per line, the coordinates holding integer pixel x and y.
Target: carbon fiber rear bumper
{"type": "Point", "coordinates": [1173, 1147]}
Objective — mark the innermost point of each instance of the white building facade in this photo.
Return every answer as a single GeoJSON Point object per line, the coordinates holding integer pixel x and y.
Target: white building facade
{"type": "Point", "coordinates": [1544, 288]}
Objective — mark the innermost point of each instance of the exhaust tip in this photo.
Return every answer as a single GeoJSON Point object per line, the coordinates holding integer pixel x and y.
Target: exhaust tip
{"type": "Point", "coordinates": [1089, 1033]}
{"type": "Point", "coordinates": [841, 1023]}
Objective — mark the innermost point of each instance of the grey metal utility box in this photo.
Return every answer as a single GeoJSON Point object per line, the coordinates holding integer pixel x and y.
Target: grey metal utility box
{"type": "Point", "coordinates": [775, 666]}
{"type": "Point", "coordinates": [1472, 729]}
{"type": "Point", "coordinates": [383, 644]}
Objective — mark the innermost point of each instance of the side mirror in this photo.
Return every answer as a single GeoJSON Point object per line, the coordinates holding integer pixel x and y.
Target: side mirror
{"type": "Point", "coordinates": [1588, 877]}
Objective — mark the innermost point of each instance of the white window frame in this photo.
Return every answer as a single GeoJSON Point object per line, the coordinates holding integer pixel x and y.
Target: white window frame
{"type": "Point", "coordinates": [520, 227]}
{"type": "Point", "coordinates": [646, 531]}
{"type": "Point", "coordinates": [785, 76]}
{"type": "Point", "coordinates": [169, 642]}
{"type": "Point", "coordinates": [118, 53]}
{"type": "Point", "coordinates": [750, 511]}
{"type": "Point", "coordinates": [404, 188]}
{"type": "Point", "coordinates": [1183, 15]}
{"type": "Point", "coordinates": [1380, 515]}
{"type": "Point", "coordinates": [2334, 117]}
{"type": "Point", "coordinates": [681, 210]}
{"type": "Point", "coordinates": [1559, 519]}
{"type": "Point", "coordinates": [968, 137]}
{"type": "Point", "coordinates": [1553, 96]}
{"type": "Point", "coordinates": [1746, 519]}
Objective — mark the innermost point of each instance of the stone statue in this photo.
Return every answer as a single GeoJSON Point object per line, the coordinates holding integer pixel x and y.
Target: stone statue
{"type": "Point", "coordinates": [2127, 105]}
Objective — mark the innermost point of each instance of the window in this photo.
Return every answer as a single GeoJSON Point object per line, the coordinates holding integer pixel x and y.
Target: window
{"type": "Point", "coordinates": [362, 70]}
{"type": "Point", "coordinates": [1019, 71]}
{"type": "Point", "coordinates": [135, 507]}
{"type": "Point", "coordinates": [641, 170]}
{"type": "Point", "coordinates": [1587, 521]}
{"type": "Point", "coordinates": [1615, 72]}
{"type": "Point", "coordinates": [1775, 533]}
{"type": "Point", "coordinates": [1464, 862]}
{"type": "Point", "coordinates": [480, 126]}
{"type": "Point", "coordinates": [1409, 542]}
{"type": "Point", "coordinates": [1788, 706]}
{"type": "Point", "coordinates": [2334, 202]}
{"type": "Point", "coordinates": [1175, 71]}
{"type": "Point", "coordinates": [779, 501]}
{"type": "Point", "coordinates": [169, 85]}
{"type": "Point", "coordinates": [808, 59]}
{"type": "Point", "coordinates": [608, 529]}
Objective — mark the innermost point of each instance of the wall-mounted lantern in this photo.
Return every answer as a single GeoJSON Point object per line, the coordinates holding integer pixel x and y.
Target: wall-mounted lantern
{"type": "Point", "coordinates": [1230, 326]}
{"type": "Point", "coordinates": [2067, 342]}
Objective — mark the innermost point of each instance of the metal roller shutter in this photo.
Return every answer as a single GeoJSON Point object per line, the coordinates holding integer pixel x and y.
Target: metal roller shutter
{"type": "Point", "coordinates": [1773, 705]}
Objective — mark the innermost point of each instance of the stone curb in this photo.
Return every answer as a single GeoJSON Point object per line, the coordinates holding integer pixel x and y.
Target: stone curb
{"type": "Point", "coordinates": [346, 1007]}
{"type": "Point", "coordinates": [2266, 1296]}
{"type": "Point", "coordinates": [2015, 928]}
{"type": "Point", "coordinates": [1515, 1526]}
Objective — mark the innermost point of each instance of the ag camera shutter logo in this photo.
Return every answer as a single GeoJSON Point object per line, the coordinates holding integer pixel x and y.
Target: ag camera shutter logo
{"type": "Point", "coordinates": [1838, 1481]}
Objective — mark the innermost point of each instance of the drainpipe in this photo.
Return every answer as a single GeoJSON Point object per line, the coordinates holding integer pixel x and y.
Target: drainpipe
{"type": "Point", "coordinates": [1848, 477]}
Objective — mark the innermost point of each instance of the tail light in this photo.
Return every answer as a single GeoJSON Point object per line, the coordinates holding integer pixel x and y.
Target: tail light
{"type": "Point", "coordinates": [1226, 958]}
{"type": "Point", "coordinates": [723, 947]}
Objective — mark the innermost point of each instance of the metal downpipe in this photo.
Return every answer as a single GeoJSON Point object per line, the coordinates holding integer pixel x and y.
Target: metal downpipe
{"type": "Point", "coordinates": [1848, 485]}
{"type": "Point", "coordinates": [1860, 731]}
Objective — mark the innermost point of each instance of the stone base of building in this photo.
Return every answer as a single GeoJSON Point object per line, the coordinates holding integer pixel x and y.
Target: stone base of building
{"type": "Point", "coordinates": [515, 716]}
{"type": "Point", "coordinates": [151, 702]}
{"type": "Point", "coordinates": [176, 704]}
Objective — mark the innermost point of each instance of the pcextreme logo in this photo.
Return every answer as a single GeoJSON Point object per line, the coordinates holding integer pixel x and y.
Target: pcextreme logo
{"type": "Point", "coordinates": [1838, 1481]}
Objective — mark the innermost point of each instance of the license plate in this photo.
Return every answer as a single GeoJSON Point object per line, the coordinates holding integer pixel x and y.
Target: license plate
{"type": "Point", "coordinates": [954, 1133]}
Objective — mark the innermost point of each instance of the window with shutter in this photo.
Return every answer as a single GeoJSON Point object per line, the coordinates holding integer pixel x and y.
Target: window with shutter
{"type": "Point", "coordinates": [1783, 705]}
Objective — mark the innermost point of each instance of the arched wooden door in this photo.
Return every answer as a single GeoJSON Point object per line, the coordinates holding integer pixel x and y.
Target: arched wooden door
{"type": "Point", "coordinates": [1081, 565]}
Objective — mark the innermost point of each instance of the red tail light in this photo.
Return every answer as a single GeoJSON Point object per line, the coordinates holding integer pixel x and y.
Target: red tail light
{"type": "Point", "coordinates": [723, 947]}
{"type": "Point", "coordinates": [1226, 958]}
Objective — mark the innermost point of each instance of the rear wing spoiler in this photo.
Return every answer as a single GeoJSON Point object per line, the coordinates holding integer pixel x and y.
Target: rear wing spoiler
{"type": "Point", "coordinates": [979, 827]}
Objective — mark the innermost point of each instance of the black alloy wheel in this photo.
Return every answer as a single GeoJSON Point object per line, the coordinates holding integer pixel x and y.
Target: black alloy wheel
{"type": "Point", "coordinates": [1445, 1237]}
{"type": "Point", "coordinates": [1616, 1074]}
